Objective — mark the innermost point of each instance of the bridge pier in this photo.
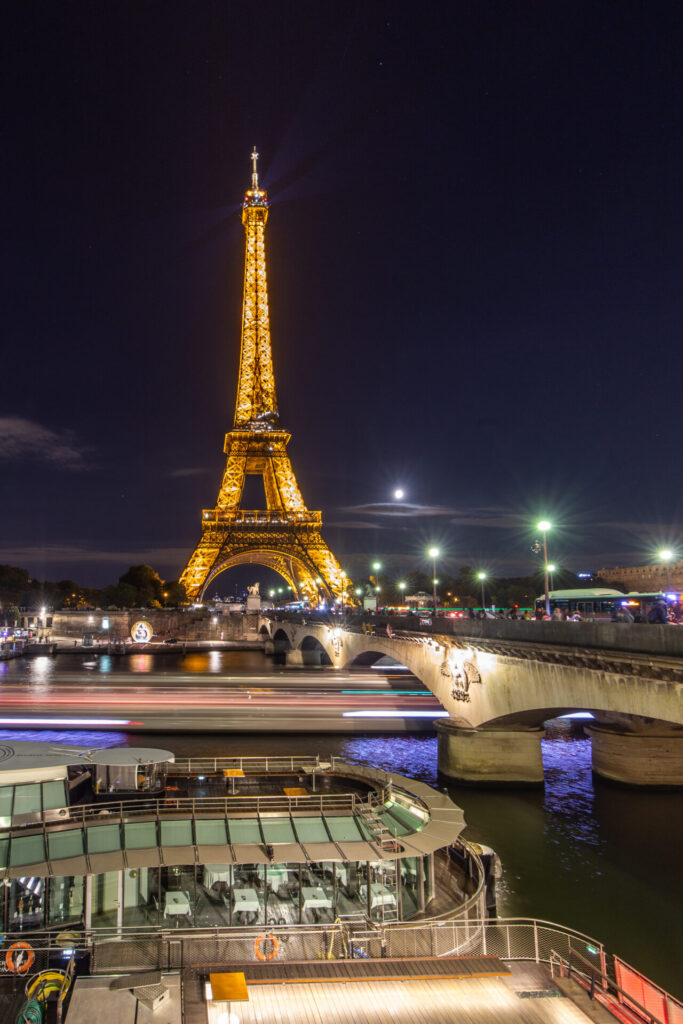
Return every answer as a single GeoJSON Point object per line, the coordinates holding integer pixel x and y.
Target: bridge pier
{"type": "Point", "coordinates": [300, 658]}
{"type": "Point", "coordinates": [490, 757]}
{"type": "Point", "coordinates": [653, 757]}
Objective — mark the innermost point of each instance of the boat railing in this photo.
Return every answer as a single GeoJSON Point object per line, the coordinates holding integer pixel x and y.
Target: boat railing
{"type": "Point", "coordinates": [637, 995]}
{"type": "Point", "coordinates": [168, 806]}
{"type": "Point", "coordinates": [248, 765]}
{"type": "Point", "coordinates": [565, 951]}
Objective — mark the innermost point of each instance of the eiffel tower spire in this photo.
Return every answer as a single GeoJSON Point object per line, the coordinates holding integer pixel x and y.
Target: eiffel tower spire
{"type": "Point", "coordinates": [256, 400]}
{"type": "Point", "coordinates": [284, 536]}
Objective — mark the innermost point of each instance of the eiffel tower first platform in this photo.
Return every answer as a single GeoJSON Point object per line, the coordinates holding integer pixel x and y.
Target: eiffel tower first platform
{"type": "Point", "coordinates": [286, 535]}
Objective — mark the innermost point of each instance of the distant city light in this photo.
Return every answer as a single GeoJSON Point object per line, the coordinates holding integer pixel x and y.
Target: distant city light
{"type": "Point", "coordinates": [399, 494]}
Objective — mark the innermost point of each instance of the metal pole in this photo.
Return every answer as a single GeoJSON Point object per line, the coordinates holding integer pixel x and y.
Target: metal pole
{"type": "Point", "coordinates": [434, 582]}
{"type": "Point", "coordinates": [545, 569]}
{"type": "Point", "coordinates": [483, 599]}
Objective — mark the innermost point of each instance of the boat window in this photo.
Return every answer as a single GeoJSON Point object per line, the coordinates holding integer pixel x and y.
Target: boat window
{"type": "Point", "coordinates": [104, 838]}
{"type": "Point", "coordinates": [27, 799]}
{"type": "Point", "coordinates": [244, 830]}
{"type": "Point", "coordinates": [211, 832]}
{"type": "Point", "coordinates": [176, 833]}
{"type": "Point", "coordinates": [277, 830]}
{"type": "Point", "coordinates": [53, 795]}
{"type": "Point", "coordinates": [4, 846]}
{"type": "Point", "coordinates": [65, 844]}
{"type": "Point", "coordinates": [140, 834]}
{"type": "Point", "coordinates": [343, 829]}
{"type": "Point", "coordinates": [311, 830]}
{"type": "Point", "coordinates": [6, 793]}
{"type": "Point", "coordinates": [407, 822]}
{"type": "Point", "coordinates": [27, 850]}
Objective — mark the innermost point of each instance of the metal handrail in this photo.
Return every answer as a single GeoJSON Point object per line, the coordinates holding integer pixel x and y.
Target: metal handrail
{"type": "Point", "coordinates": [168, 806]}
{"type": "Point", "coordinates": [253, 764]}
{"type": "Point", "coordinates": [608, 983]}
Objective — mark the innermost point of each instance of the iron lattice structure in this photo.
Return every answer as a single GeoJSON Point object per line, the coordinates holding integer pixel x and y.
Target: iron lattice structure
{"type": "Point", "coordinates": [286, 535]}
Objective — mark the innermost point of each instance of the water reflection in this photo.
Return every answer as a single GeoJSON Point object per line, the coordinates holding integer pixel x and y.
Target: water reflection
{"type": "Point", "coordinates": [70, 737]}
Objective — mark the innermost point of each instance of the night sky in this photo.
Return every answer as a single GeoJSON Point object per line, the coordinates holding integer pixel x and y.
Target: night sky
{"type": "Point", "coordinates": [474, 255]}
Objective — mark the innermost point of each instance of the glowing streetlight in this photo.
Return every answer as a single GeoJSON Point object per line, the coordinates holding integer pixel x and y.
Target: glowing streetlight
{"type": "Point", "coordinates": [481, 576]}
{"type": "Point", "coordinates": [399, 494]}
{"type": "Point", "coordinates": [434, 554]}
{"type": "Point", "coordinates": [666, 556]}
{"type": "Point", "coordinates": [402, 587]}
{"type": "Point", "coordinates": [544, 526]}
{"type": "Point", "coordinates": [376, 566]}
{"type": "Point", "coordinates": [551, 569]}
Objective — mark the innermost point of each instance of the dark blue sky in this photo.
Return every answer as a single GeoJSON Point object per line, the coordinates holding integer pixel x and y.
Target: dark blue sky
{"type": "Point", "coordinates": [475, 274]}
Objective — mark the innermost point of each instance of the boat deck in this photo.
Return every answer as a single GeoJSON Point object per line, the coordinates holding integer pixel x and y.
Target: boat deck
{"type": "Point", "coordinates": [478, 990]}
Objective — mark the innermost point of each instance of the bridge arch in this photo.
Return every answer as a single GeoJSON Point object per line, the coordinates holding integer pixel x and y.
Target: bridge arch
{"type": "Point", "coordinates": [297, 573]}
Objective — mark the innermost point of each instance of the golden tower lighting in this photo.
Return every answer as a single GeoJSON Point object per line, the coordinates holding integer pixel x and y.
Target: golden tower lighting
{"type": "Point", "coordinates": [285, 536]}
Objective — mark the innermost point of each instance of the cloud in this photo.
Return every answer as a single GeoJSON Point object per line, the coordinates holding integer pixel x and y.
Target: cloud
{"type": "Point", "coordinates": [184, 471]}
{"type": "Point", "coordinates": [73, 554]}
{"type": "Point", "coordinates": [399, 510]}
{"type": "Point", "coordinates": [489, 516]}
{"type": "Point", "coordinates": [24, 439]}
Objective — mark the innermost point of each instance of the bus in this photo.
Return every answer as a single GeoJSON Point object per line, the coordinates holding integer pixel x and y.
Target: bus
{"type": "Point", "coordinates": [601, 603]}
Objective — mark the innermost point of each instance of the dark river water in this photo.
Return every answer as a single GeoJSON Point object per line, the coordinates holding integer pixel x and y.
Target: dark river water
{"type": "Point", "coordinates": [599, 858]}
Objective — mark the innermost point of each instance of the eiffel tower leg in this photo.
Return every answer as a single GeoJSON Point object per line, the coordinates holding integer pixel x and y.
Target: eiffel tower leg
{"type": "Point", "coordinates": [198, 569]}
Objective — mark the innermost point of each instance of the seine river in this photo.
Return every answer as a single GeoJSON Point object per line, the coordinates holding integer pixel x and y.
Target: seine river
{"type": "Point", "coordinates": [599, 858]}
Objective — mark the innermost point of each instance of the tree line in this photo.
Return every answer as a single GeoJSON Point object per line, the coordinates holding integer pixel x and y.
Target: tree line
{"type": "Point", "coordinates": [139, 587]}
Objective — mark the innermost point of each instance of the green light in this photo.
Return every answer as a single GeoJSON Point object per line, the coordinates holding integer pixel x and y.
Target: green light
{"type": "Point", "coordinates": [544, 525]}
{"type": "Point", "coordinates": [593, 950]}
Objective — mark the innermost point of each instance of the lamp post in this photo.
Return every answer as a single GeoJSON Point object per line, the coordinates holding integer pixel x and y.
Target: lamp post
{"type": "Point", "coordinates": [544, 526]}
{"type": "Point", "coordinates": [551, 570]}
{"type": "Point", "coordinates": [434, 554]}
{"type": "Point", "coordinates": [666, 556]}
{"type": "Point", "coordinates": [376, 566]}
{"type": "Point", "coordinates": [402, 588]}
{"type": "Point", "coordinates": [481, 576]}
{"type": "Point", "coordinates": [343, 588]}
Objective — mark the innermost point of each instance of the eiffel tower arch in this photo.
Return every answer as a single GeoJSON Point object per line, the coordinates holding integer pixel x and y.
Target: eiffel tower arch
{"type": "Point", "coordinates": [285, 536]}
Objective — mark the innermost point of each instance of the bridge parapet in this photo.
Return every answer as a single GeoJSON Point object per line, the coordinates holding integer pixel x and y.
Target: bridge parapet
{"type": "Point", "coordinates": [626, 637]}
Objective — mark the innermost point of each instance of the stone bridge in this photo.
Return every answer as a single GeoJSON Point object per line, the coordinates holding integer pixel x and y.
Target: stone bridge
{"type": "Point", "coordinates": [499, 681]}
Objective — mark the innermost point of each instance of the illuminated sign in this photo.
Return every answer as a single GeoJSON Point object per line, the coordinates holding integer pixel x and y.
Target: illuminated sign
{"type": "Point", "coordinates": [105, 623]}
{"type": "Point", "coordinates": [142, 632]}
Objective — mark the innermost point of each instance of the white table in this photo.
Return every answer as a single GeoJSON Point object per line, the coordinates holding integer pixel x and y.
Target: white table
{"type": "Point", "coordinates": [314, 897]}
{"type": "Point", "coordinates": [277, 877]}
{"type": "Point", "coordinates": [216, 873]}
{"type": "Point", "coordinates": [246, 901]}
{"type": "Point", "coordinates": [379, 895]}
{"type": "Point", "coordinates": [177, 904]}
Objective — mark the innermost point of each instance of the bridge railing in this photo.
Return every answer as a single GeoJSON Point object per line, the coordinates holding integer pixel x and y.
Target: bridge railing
{"type": "Point", "coordinates": [623, 637]}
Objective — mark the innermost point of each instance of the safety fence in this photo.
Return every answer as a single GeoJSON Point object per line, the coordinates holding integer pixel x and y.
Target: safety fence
{"type": "Point", "coordinates": [621, 989]}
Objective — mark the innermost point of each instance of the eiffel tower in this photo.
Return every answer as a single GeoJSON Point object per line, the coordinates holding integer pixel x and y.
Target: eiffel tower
{"type": "Point", "coordinates": [286, 535]}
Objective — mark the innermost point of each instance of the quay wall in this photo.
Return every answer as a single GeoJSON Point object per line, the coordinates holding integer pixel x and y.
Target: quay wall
{"type": "Point", "coordinates": [193, 624]}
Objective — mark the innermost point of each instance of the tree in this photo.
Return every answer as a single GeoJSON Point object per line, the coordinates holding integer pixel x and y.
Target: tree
{"type": "Point", "coordinates": [14, 582]}
{"type": "Point", "coordinates": [174, 594]}
{"type": "Point", "coordinates": [147, 584]}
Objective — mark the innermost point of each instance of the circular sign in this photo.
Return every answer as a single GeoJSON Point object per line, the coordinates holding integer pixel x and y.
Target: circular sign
{"type": "Point", "coordinates": [142, 632]}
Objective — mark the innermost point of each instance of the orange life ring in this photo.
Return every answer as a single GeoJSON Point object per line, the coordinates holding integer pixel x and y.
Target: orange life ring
{"type": "Point", "coordinates": [19, 958]}
{"type": "Point", "coordinates": [258, 951]}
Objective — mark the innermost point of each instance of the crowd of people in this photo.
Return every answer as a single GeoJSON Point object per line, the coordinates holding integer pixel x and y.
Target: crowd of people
{"type": "Point", "coordinates": [660, 613]}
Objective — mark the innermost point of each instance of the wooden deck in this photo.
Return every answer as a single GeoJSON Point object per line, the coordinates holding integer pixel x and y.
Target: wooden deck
{"type": "Point", "coordinates": [318, 994]}
{"type": "Point", "coordinates": [307, 972]}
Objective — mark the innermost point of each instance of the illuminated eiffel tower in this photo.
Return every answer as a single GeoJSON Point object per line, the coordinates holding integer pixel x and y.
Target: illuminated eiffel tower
{"type": "Point", "coordinates": [286, 535]}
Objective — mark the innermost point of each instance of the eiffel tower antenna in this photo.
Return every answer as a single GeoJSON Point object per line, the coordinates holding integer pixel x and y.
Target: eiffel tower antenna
{"type": "Point", "coordinates": [284, 536]}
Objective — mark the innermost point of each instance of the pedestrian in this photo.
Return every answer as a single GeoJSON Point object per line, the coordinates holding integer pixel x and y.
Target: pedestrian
{"type": "Point", "coordinates": [557, 614]}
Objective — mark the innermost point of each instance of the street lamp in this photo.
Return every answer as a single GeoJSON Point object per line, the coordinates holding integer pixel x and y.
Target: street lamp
{"type": "Point", "coordinates": [551, 570]}
{"type": "Point", "coordinates": [399, 494]}
{"type": "Point", "coordinates": [666, 556]}
{"type": "Point", "coordinates": [481, 576]}
{"type": "Point", "coordinates": [434, 554]}
{"type": "Point", "coordinates": [376, 566]}
{"type": "Point", "coordinates": [402, 588]}
{"type": "Point", "coordinates": [544, 526]}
